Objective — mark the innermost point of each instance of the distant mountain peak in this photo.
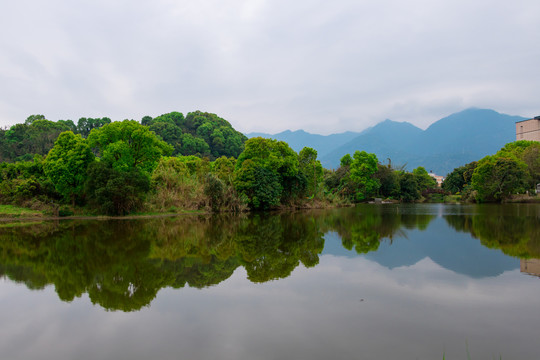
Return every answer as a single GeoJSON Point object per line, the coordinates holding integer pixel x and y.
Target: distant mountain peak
{"type": "Point", "coordinates": [450, 142]}
{"type": "Point", "coordinates": [392, 126]}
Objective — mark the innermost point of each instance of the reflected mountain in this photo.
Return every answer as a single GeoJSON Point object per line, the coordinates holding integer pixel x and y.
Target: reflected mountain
{"type": "Point", "coordinates": [122, 264]}
{"type": "Point", "coordinates": [426, 235]}
{"type": "Point", "coordinates": [445, 247]}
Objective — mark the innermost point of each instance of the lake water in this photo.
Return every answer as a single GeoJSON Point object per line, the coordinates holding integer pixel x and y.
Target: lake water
{"type": "Point", "coordinates": [370, 282]}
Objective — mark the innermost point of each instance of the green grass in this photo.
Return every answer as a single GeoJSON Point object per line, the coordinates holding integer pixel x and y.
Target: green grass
{"type": "Point", "coordinates": [11, 211]}
{"type": "Point", "coordinates": [19, 224]}
{"type": "Point", "coordinates": [452, 199]}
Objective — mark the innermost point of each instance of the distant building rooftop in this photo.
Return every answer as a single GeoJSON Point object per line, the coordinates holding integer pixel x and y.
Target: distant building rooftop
{"type": "Point", "coordinates": [528, 129]}
{"type": "Point", "coordinates": [438, 178]}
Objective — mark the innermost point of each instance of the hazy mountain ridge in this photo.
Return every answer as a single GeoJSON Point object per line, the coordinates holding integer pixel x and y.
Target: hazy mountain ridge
{"type": "Point", "coordinates": [299, 139]}
{"type": "Point", "coordinates": [450, 142]}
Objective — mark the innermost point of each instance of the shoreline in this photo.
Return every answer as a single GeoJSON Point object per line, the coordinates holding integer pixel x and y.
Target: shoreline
{"type": "Point", "coordinates": [6, 218]}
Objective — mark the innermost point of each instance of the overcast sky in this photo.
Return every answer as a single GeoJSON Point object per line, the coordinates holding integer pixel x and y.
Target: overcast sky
{"type": "Point", "coordinates": [269, 65]}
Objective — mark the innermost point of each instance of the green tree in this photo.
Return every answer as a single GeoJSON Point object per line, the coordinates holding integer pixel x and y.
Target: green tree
{"type": "Point", "coordinates": [128, 145]}
{"type": "Point", "coordinates": [362, 168]}
{"type": "Point", "coordinates": [531, 158]}
{"type": "Point", "coordinates": [42, 135]}
{"type": "Point", "coordinates": [25, 181]}
{"type": "Point", "coordinates": [311, 168]}
{"type": "Point", "coordinates": [346, 160]}
{"type": "Point", "coordinates": [199, 133]}
{"type": "Point", "coordinates": [191, 145]}
{"type": "Point", "coordinates": [30, 119]}
{"type": "Point", "coordinates": [389, 180]}
{"type": "Point", "coordinates": [261, 186]}
{"type": "Point", "coordinates": [223, 168]}
{"type": "Point", "coordinates": [273, 159]}
{"type": "Point", "coordinates": [174, 117]}
{"type": "Point", "coordinates": [459, 178]}
{"type": "Point", "coordinates": [67, 163]}
{"type": "Point", "coordinates": [408, 187]}
{"type": "Point", "coordinates": [69, 124]}
{"type": "Point", "coordinates": [146, 120]}
{"type": "Point", "coordinates": [496, 178]}
{"type": "Point", "coordinates": [527, 152]}
{"type": "Point", "coordinates": [85, 125]}
{"type": "Point", "coordinates": [170, 133]}
{"type": "Point", "coordinates": [214, 190]}
{"type": "Point", "coordinates": [423, 180]}
{"type": "Point", "coordinates": [116, 192]}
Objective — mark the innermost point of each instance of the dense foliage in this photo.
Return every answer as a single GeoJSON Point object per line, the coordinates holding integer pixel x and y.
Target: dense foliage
{"type": "Point", "coordinates": [268, 173]}
{"type": "Point", "coordinates": [126, 166]}
{"type": "Point", "coordinates": [199, 133]}
{"type": "Point", "coordinates": [37, 136]}
{"type": "Point", "coordinates": [514, 169]}
{"type": "Point", "coordinates": [361, 177]}
{"type": "Point", "coordinates": [66, 164]}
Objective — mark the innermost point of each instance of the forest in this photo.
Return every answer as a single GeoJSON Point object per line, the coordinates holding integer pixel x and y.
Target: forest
{"type": "Point", "coordinates": [199, 162]}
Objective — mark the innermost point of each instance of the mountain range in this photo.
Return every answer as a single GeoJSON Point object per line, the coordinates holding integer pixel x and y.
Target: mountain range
{"type": "Point", "coordinates": [448, 143]}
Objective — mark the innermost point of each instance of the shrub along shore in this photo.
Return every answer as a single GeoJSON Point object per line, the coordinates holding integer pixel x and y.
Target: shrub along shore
{"type": "Point", "coordinates": [175, 164]}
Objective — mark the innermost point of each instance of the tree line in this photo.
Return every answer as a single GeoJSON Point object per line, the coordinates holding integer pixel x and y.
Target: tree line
{"type": "Point", "coordinates": [172, 163]}
{"type": "Point", "coordinates": [514, 169]}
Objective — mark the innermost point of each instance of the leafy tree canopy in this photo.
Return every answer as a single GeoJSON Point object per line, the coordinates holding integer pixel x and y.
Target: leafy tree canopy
{"type": "Point", "coordinates": [311, 168]}
{"type": "Point", "coordinates": [362, 168]}
{"type": "Point", "coordinates": [199, 133]}
{"type": "Point", "coordinates": [66, 164]}
{"type": "Point", "coordinates": [128, 145]}
{"type": "Point", "coordinates": [423, 180]}
{"type": "Point", "coordinates": [85, 125]}
{"type": "Point", "coordinates": [496, 178]}
{"type": "Point", "coordinates": [459, 178]}
{"type": "Point", "coordinates": [273, 155]}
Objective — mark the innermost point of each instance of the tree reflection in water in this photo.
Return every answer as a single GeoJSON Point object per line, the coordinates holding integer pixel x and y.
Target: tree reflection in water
{"type": "Point", "coordinates": [122, 264]}
{"type": "Point", "coordinates": [513, 228]}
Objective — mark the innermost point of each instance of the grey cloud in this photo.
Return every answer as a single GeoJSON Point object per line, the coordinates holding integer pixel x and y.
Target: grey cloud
{"type": "Point", "coordinates": [269, 66]}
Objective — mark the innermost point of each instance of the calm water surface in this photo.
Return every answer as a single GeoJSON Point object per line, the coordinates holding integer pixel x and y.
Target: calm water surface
{"type": "Point", "coordinates": [371, 282]}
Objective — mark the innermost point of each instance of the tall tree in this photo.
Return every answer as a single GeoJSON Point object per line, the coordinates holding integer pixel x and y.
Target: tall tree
{"type": "Point", "coordinates": [67, 163]}
{"type": "Point", "coordinates": [362, 168]}
{"type": "Point", "coordinates": [85, 125]}
{"type": "Point", "coordinates": [459, 178]}
{"type": "Point", "coordinates": [496, 178]}
{"type": "Point", "coordinates": [127, 145]}
{"type": "Point", "coordinates": [311, 168]}
{"type": "Point", "coordinates": [267, 158]}
{"type": "Point", "coordinates": [423, 180]}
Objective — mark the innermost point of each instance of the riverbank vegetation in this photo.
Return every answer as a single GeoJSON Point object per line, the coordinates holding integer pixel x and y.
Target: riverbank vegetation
{"type": "Point", "coordinates": [173, 163]}
{"type": "Point", "coordinates": [513, 170]}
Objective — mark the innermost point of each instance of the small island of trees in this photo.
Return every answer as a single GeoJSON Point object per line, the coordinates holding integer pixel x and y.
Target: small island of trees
{"type": "Point", "coordinates": [173, 163]}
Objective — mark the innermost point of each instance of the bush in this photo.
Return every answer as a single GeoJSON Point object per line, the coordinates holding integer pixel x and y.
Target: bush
{"type": "Point", "coordinates": [115, 192]}
{"type": "Point", "coordinates": [65, 211]}
{"type": "Point", "coordinates": [214, 189]}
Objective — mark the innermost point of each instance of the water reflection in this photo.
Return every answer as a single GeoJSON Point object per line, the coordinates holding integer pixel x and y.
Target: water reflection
{"type": "Point", "coordinates": [512, 228]}
{"type": "Point", "coordinates": [122, 265]}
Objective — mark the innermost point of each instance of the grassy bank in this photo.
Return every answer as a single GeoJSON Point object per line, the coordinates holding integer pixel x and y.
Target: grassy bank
{"type": "Point", "coordinates": [11, 211]}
